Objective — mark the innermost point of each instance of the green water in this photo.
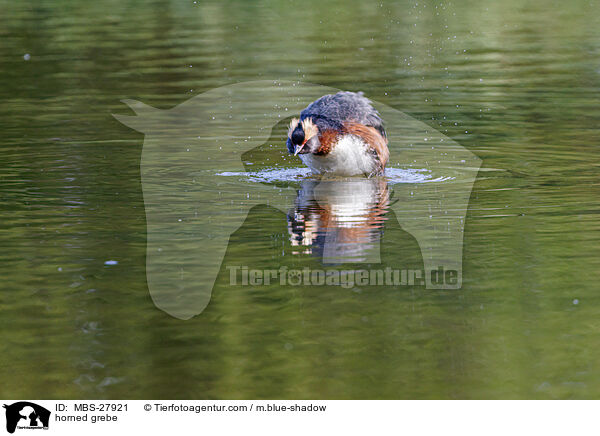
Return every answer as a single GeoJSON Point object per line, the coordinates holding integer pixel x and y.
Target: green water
{"type": "Point", "coordinates": [516, 83]}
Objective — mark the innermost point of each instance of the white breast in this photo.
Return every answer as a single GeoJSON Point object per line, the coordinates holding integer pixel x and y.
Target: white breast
{"type": "Point", "coordinates": [350, 156]}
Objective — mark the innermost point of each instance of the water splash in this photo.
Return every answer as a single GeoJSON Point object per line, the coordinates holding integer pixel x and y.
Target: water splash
{"type": "Point", "coordinates": [272, 175]}
{"type": "Point", "coordinates": [412, 175]}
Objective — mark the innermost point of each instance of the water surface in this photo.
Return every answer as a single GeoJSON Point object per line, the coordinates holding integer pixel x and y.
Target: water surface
{"type": "Point", "coordinates": [517, 83]}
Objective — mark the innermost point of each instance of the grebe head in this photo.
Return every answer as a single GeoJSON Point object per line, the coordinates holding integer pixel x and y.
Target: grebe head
{"type": "Point", "coordinates": [303, 137]}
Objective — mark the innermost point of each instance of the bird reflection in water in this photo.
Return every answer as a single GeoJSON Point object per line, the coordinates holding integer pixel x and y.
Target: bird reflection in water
{"type": "Point", "coordinates": [339, 221]}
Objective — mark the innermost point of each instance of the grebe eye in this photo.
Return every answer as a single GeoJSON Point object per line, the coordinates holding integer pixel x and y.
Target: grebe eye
{"type": "Point", "coordinates": [298, 136]}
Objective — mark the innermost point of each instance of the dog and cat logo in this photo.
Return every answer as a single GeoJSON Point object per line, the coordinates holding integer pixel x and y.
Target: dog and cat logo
{"type": "Point", "coordinates": [26, 415]}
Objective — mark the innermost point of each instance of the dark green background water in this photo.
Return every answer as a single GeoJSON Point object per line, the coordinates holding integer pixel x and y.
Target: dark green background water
{"type": "Point", "coordinates": [516, 82]}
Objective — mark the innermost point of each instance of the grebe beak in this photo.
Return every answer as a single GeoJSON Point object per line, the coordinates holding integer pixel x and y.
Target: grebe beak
{"type": "Point", "coordinates": [298, 148]}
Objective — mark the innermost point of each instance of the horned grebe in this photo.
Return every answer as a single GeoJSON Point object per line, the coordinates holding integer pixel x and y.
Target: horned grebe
{"type": "Point", "coordinates": [340, 134]}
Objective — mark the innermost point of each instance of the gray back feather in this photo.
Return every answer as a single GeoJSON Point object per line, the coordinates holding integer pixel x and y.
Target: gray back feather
{"type": "Point", "coordinates": [333, 110]}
